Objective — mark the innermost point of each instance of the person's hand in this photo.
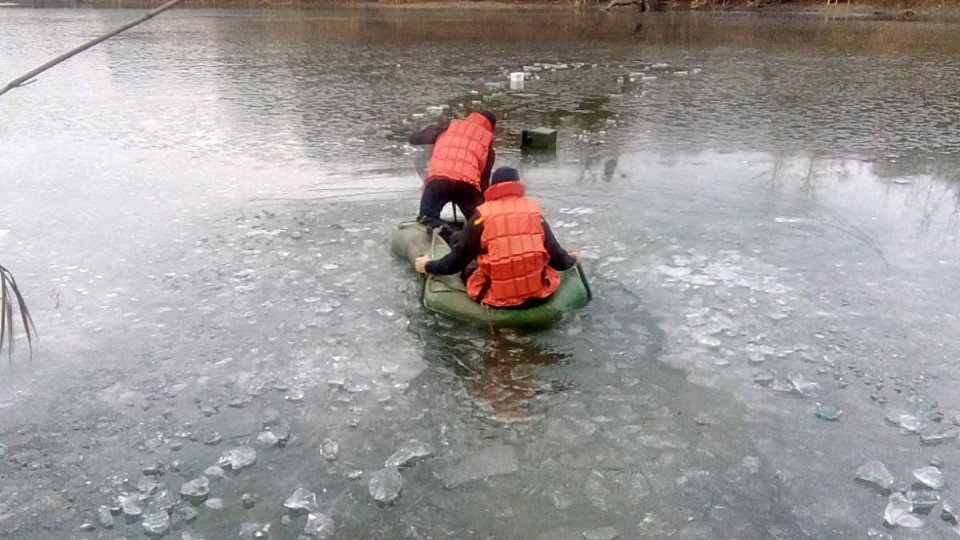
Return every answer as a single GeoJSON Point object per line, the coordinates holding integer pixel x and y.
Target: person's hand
{"type": "Point", "coordinates": [421, 264]}
{"type": "Point", "coordinates": [577, 255]}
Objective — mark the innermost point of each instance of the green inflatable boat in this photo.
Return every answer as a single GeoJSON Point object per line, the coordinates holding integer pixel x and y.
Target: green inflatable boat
{"type": "Point", "coordinates": [448, 295]}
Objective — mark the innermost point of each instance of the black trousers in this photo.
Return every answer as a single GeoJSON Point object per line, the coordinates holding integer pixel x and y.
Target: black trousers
{"type": "Point", "coordinates": [440, 191]}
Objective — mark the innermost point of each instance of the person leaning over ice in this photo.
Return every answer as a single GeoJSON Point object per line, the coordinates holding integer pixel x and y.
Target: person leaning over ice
{"type": "Point", "coordinates": [460, 167]}
{"type": "Point", "coordinates": [507, 252]}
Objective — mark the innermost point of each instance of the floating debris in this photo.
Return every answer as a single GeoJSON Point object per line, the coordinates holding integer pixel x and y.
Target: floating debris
{"type": "Point", "coordinates": [248, 501]}
{"type": "Point", "coordinates": [931, 477]}
{"type": "Point", "coordinates": [238, 458]}
{"type": "Point", "coordinates": [301, 501]}
{"type": "Point", "coordinates": [196, 491]}
{"type": "Point", "coordinates": [876, 474]}
{"type": "Point", "coordinates": [319, 526]}
{"type": "Point", "coordinates": [408, 454]}
{"type": "Point", "coordinates": [385, 485]}
{"type": "Point", "coordinates": [828, 412]}
{"type": "Point", "coordinates": [156, 524]}
{"type": "Point", "coordinates": [88, 527]}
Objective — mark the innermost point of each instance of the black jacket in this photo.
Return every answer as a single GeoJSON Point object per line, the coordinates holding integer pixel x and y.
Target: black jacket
{"type": "Point", "coordinates": [469, 246]}
{"type": "Point", "coordinates": [431, 133]}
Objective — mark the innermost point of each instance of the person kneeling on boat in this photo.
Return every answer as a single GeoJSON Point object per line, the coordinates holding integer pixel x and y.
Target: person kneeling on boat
{"type": "Point", "coordinates": [460, 166]}
{"type": "Point", "coordinates": [507, 252]}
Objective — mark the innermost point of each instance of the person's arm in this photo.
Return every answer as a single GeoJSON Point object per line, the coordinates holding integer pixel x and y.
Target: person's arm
{"type": "Point", "coordinates": [559, 258]}
{"type": "Point", "coordinates": [466, 250]}
{"type": "Point", "coordinates": [487, 169]}
{"type": "Point", "coordinates": [429, 134]}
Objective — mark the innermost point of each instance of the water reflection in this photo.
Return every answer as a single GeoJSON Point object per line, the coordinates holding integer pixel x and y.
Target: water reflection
{"type": "Point", "coordinates": [500, 373]}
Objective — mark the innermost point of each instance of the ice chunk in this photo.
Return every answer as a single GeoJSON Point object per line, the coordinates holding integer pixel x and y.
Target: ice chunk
{"type": "Point", "coordinates": [385, 485]}
{"type": "Point", "coordinates": [493, 460]}
{"type": "Point", "coordinates": [876, 474]}
{"type": "Point", "coordinates": [897, 507]}
{"type": "Point", "coordinates": [106, 517]}
{"type": "Point", "coordinates": [931, 477]}
{"type": "Point", "coordinates": [934, 435]}
{"type": "Point", "coordinates": [254, 531]}
{"type": "Point", "coordinates": [408, 453]}
{"type": "Point", "coordinates": [330, 449]}
{"type": "Point", "coordinates": [828, 412]}
{"type": "Point", "coordinates": [801, 387]}
{"type": "Point", "coordinates": [268, 439]}
{"type": "Point", "coordinates": [214, 503]}
{"type": "Point", "coordinates": [238, 458]}
{"type": "Point", "coordinates": [196, 490]}
{"type": "Point", "coordinates": [604, 533]}
{"type": "Point", "coordinates": [163, 502]}
{"type": "Point", "coordinates": [951, 510]}
{"type": "Point", "coordinates": [301, 501]}
{"type": "Point", "coordinates": [130, 506]}
{"type": "Point", "coordinates": [319, 526]}
{"type": "Point", "coordinates": [921, 499]}
{"type": "Point", "coordinates": [909, 521]}
{"type": "Point", "coordinates": [156, 524]}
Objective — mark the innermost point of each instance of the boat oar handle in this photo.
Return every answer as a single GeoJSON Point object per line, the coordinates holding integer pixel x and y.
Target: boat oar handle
{"type": "Point", "coordinates": [586, 284]}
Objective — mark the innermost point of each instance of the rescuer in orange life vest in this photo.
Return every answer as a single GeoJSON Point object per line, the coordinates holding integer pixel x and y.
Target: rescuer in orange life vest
{"type": "Point", "coordinates": [460, 166]}
{"type": "Point", "coordinates": [517, 258]}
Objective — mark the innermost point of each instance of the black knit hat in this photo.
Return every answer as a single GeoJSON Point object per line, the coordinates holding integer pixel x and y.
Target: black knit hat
{"type": "Point", "coordinates": [491, 117]}
{"type": "Point", "coordinates": [505, 174]}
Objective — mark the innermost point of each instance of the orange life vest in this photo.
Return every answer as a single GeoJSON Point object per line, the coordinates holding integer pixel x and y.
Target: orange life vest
{"type": "Point", "coordinates": [513, 265]}
{"type": "Point", "coordinates": [461, 151]}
